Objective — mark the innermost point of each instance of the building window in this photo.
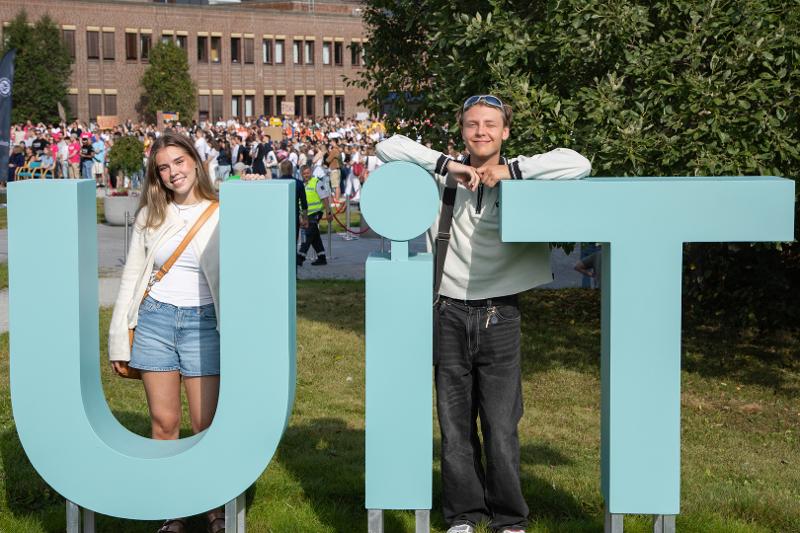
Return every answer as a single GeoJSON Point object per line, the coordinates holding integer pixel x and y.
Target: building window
{"type": "Point", "coordinates": [355, 54]}
{"type": "Point", "coordinates": [93, 44]}
{"type": "Point", "coordinates": [338, 54]}
{"type": "Point", "coordinates": [296, 45]}
{"type": "Point", "coordinates": [268, 111]}
{"type": "Point", "coordinates": [279, 104]}
{"type": "Point", "coordinates": [266, 51]}
{"type": "Point", "coordinates": [236, 49]}
{"type": "Point", "coordinates": [327, 104]}
{"type": "Point", "coordinates": [166, 38]}
{"type": "Point", "coordinates": [131, 49]}
{"type": "Point", "coordinates": [68, 36]}
{"type": "Point", "coordinates": [216, 107]}
{"type": "Point", "coordinates": [309, 52]}
{"type": "Point", "coordinates": [108, 46]}
{"type": "Point", "coordinates": [202, 49]}
{"type": "Point", "coordinates": [216, 49]}
{"type": "Point", "coordinates": [326, 53]}
{"type": "Point", "coordinates": [279, 49]}
{"type": "Point", "coordinates": [249, 105]}
{"type": "Point", "coordinates": [310, 106]}
{"type": "Point", "coordinates": [180, 40]}
{"type": "Point", "coordinates": [202, 106]}
{"type": "Point", "coordinates": [340, 106]}
{"type": "Point", "coordinates": [110, 104]}
{"type": "Point", "coordinates": [72, 104]}
{"type": "Point", "coordinates": [236, 106]}
{"type": "Point", "coordinates": [298, 105]}
{"type": "Point", "coordinates": [95, 101]}
{"type": "Point", "coordinates": [146, 43]}
{"type": "Point", "coordinates": [249, 53]}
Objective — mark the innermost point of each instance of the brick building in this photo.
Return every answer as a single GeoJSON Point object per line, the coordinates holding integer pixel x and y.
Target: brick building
{"type": "Point", "coordinates": [245, 58]}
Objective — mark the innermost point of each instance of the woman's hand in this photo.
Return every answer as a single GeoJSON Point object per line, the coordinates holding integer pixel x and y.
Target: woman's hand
{"type": "Point", "coordinates": [253, 177]}
{"type": "Point", "coordinates": [119, 367]}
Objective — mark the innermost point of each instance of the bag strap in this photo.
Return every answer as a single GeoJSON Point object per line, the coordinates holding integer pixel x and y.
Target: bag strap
{"type": "Point", "coordinates": [181, 247]}
{"type": "Point", "coordinates": [443, 233]}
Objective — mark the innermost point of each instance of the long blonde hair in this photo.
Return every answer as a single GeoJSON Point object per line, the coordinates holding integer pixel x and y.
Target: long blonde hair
{"type": "Point", "coordinates": [155, 195]}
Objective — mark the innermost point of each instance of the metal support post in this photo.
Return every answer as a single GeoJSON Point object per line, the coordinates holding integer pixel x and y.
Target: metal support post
{"type": "Point", "coordinates": [423, 521]}
{"type": "Point", "coordinates": [329, 251]}
{"type": "Point", "coordinates": [235, 515]}
{"type": "Point", "coordinates": [375, 520]}
{"type": "Point", "coordinates": [664, 523]}
{"type": "Point", "coordinates": [73, 518]}
{"type": "Point", "coordinates": [88, 521]}
{"type": "Point", "coordinates": [614, 523]}
{"type": "Point", "coordinates": [127, 225]}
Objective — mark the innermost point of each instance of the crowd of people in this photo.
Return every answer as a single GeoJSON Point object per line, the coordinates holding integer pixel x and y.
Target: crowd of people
{"type": "Point", "coordinates": [340, 151]}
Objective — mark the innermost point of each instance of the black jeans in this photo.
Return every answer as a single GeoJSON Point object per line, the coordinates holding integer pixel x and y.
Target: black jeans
{"type": "Point", "coordinates": [313, 237]}
{"type": "Point", "coordinates": [478, 375]}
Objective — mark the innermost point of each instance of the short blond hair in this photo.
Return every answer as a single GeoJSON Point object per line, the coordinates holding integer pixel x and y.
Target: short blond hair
{"type": "Point", "coordinates": [508, 113]}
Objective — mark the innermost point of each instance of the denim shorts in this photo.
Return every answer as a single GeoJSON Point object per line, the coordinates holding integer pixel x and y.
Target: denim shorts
{"type": "Point", "coordinates": [170, 338]}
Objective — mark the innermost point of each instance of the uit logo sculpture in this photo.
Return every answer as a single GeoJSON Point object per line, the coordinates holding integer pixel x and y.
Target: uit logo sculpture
{"type": "Point", "coordinates": [80, 449]}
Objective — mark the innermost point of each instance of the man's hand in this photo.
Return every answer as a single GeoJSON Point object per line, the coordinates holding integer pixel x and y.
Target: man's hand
{"type": "Point", "coordinates": [329, 216]}
{"type": "Point", "coordinates": [466, 175]}
{"type": "Point", "coordinates": [253, 177]}
{"type": "Point", "coordinates": [491, 174]}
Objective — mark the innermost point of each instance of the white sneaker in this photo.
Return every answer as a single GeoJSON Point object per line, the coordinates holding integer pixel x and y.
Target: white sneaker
{"type": "Point", "coordinates": [461, 528]}
{"type": "Point", "coordinates": [514, 530]}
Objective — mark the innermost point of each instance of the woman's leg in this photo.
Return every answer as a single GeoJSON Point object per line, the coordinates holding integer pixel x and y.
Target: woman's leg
{"type": "Point", "coordinates": [202, 393]}
{"type": "Point", "coordinates": [163, 391]}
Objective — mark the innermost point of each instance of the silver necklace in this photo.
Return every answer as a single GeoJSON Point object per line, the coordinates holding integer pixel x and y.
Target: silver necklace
{"type": "Point", "coordinates": [183, 208]}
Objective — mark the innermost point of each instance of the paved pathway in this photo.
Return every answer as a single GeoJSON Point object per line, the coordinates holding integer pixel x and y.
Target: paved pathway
{"type": "Point", "coordinates": [346, 261]}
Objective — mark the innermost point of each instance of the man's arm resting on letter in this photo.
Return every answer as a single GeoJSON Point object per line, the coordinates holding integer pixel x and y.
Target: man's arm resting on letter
{"type": "Point", "coordinates": [401, 148]}
{"type": "Point", "coordinates": [558, 164]}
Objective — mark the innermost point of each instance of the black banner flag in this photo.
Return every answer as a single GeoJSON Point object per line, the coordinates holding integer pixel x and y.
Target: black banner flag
{"type": "Point", "coordinates": [6, 83]}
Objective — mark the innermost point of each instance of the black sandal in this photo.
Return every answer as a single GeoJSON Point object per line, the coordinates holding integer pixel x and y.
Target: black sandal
{"type": "Point", "coordinates": [173, 525]}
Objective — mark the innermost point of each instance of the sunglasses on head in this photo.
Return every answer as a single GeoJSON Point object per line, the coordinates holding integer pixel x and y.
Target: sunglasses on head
{"type": "Point", "coordinates": [485, 98]}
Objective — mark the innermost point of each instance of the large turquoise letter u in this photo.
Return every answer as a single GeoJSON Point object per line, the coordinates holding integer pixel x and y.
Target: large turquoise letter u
{"type": "Point", "coordinates": [63, 420]}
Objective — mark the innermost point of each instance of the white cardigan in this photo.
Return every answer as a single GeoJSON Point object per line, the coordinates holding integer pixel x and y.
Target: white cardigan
{"type": "Point", "coordinates": [139, 267]}
{"type": "Point", "coordinates": [478, 264]}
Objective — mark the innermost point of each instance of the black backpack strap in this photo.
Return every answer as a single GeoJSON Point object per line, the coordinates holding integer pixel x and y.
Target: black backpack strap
{"type": "Point", "coordinates": [443, 233]}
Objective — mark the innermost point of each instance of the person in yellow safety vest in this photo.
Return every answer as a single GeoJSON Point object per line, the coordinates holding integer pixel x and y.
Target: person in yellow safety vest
{"type": "Point", "coordinates": [318, 195]}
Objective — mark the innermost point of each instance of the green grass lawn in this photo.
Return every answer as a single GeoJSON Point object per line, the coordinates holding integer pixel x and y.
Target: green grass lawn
{"type": "Point", "coordinates": [3, 212]}
{"type": "Point", "coordinates": [740, 424]}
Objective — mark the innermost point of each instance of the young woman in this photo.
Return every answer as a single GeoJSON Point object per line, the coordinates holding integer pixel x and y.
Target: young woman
{"type": "Point", "coordinates": [177, 330]}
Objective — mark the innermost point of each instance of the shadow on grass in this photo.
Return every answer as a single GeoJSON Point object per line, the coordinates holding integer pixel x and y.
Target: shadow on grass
{"type": "Point", "coordinates": [561, 329]}
{"type": "Point", "coordinates": [772, 362]}
{"type": "Point", "coordinates": [28, 495]}
{"type": "Point", "coordinates": [326, 456]}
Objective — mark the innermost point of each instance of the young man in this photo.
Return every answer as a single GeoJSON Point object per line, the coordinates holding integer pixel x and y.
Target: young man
{"type": "Point", "coordinates": [477, 356]}
{"type": "Point", "coordinates": [87, 159]}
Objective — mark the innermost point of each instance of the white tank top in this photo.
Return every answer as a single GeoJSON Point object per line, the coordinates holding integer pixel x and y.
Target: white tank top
{"type": "Point", "coordinates": [185, 284]}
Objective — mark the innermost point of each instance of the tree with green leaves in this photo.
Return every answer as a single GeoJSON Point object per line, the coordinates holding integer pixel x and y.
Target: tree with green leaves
{"type": "Point", "coordinates": [167, 84]}
{"type": "Point", "coordinates": [658, 88]}
{"type": "Point", "coordinates": [42, 69]}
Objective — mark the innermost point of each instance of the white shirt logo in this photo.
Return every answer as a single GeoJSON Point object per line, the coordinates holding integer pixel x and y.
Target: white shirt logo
{"type": "Point", "coordinates": [5, 87]}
